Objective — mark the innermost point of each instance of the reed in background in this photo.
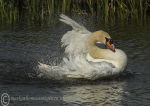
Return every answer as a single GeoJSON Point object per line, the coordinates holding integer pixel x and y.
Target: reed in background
{"type": "Point", "coordinates": [39, 10]}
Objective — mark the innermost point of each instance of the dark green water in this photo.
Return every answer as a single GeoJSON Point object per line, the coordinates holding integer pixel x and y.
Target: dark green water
{"type": "Point", "coordinates": [23, 45]}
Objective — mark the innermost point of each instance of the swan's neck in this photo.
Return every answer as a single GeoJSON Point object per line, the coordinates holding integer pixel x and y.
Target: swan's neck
{"type": "Point", "coordinates": [95, 51]}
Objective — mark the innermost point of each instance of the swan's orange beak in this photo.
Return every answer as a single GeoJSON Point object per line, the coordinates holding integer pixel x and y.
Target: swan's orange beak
{"type": "Point", "coordinates": [110, 45]}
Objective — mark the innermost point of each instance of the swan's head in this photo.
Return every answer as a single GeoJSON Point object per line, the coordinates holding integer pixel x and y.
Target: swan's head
{"type": "Point", "coordinates": [103, 37]}
{"type": "Point", "coordinates": [110, 44]}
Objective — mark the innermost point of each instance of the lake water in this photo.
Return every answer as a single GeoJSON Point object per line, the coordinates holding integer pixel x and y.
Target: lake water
{"type": "Point", "coordinates": [23, 45]}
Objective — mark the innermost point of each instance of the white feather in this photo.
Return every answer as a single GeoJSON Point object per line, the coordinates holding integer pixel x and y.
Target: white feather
{"type": "Point", "coordinates": [74, 40]}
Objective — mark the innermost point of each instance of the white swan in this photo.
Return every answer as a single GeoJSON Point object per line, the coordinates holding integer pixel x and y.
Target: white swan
{"type": "Point", "coordinates": [85, 59]}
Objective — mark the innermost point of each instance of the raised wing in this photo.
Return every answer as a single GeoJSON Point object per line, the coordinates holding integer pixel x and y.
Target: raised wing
{"type": "Point", "coordinates": [74, 40]}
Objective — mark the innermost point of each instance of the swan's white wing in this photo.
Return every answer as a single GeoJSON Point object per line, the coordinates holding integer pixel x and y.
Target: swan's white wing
{"type": "Point", "coordinates": [74, 40]}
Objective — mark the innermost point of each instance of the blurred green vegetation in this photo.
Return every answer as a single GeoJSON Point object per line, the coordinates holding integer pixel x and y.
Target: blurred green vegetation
{"type": "Point", "coordinates": [41, 10]}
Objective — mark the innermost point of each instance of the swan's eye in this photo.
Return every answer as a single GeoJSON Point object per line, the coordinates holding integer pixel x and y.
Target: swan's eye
{"type": "Point", "coordinates": [111, 41]}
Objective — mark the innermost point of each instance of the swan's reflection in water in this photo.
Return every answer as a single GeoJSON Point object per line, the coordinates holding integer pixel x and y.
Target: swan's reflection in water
{"type": "Point", "coordinates": [107, 94]}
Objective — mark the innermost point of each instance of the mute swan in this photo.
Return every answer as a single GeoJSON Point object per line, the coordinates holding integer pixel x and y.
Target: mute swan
{"type": "Point", "coordinates": [84, 59]}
